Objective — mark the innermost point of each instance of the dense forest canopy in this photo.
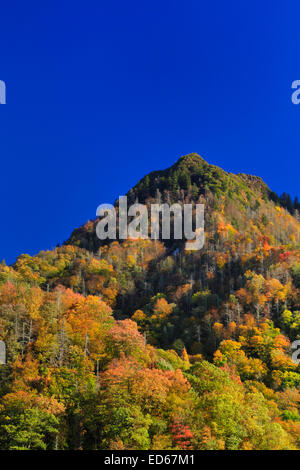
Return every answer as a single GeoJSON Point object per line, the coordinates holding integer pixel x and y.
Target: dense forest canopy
{"type": "Point", "coordinates": [144, 345]}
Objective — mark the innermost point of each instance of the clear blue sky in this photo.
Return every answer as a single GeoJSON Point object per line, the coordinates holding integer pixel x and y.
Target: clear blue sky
{"type": "Point", "coordinates": [100, 93]}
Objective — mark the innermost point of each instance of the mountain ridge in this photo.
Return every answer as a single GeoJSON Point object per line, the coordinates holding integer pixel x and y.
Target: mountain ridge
{"type": "Point", "coordinates": [191, 179]}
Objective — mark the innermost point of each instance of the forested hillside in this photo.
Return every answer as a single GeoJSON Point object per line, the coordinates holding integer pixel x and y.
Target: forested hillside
{"type": "Point", "coordinates": [142, 344]}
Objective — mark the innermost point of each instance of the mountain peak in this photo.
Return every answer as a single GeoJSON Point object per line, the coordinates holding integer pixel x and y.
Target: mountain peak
{"type": "Point", "coordinates": [191, 157]}
{"type": "Point", "coordinates": [241, 200]}
{"type": "Point", "coordinates": [190, 160]}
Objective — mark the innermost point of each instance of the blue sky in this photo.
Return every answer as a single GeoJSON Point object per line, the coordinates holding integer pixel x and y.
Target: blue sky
{"type": "Point", "coordinates": [100, 93]}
